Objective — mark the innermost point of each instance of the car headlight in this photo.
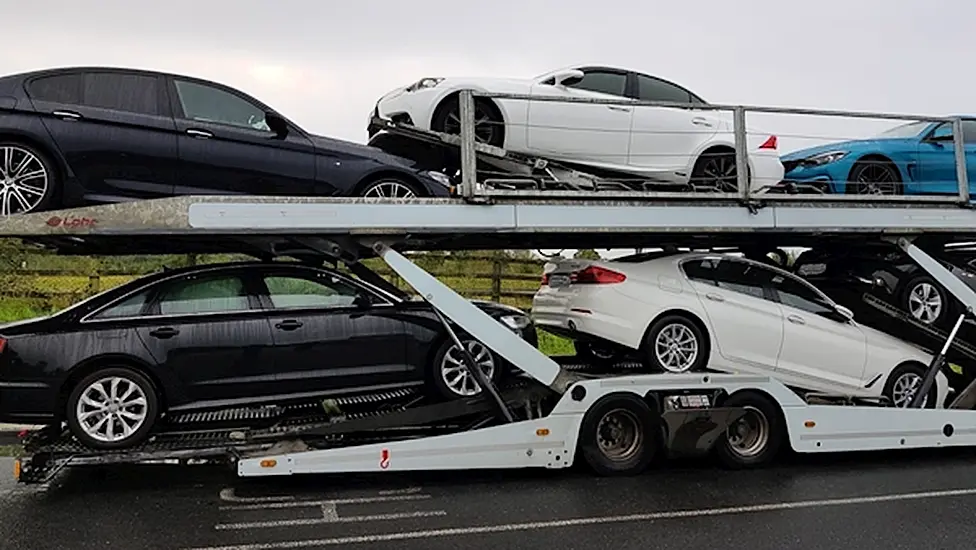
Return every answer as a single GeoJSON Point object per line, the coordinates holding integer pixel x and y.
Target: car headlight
{"type": "Point", "coordinates": [424, 83]}
{"type": "Point", "coordinates": [516, 322]}
{"type": "Point", "coordinates": [825, 158]}
{"type": "Point", "coordinates": [439, 177]}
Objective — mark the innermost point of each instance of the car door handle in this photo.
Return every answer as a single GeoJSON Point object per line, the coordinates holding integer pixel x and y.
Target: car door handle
{"type": "Point", "coordinates": [164, 332]}
{"type": "Point", "coordinates": [289, 324]}
{"type": "Point", "coordinates": [618, 108]}
{"type": "Point", "coordinates": [715, 297]}
{"type": "Point", "coordinates": [796, 319]}
{"type": "Point", "coordinates": [201, 134]}
{"type": "Point", "coordinates": [701, 121]}
{"type": "Point", "coordinates": [67, 115]}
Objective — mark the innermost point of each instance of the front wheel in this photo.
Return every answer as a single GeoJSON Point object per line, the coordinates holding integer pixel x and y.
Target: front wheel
{"type": "Point", "coordinates": [112, 408]}
{"type": "Point", "coordinates": [904, 383]}
{"type": "Point", "coordinates": [874, 177]}
{"type": "Point", "coordinates": [28, 182]}
{"type": "Point", "coordinates": [389, 188]}
{"type": "Point", "coordinates": [925, 300]}
{"type": "Point", "coordinates": [489, 128]}
{"type": "Point", "coordinates": [451, 378]}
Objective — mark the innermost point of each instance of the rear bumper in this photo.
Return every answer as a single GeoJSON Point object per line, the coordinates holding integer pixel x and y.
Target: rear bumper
{"type": "Point", "coordinates": [27, 403]}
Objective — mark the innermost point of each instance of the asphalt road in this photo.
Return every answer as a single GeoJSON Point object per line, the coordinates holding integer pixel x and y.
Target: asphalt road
{"type": "Point", "coordinates": [899, 501]}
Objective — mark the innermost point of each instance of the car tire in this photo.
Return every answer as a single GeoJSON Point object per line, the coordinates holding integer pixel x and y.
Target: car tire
{"type": "Point", "coordinates": [492, 130]}
{"type": "Point", "coordinates": [620, 420]}
{"type": "Point", "coordinates": [675, 328]}
{"type": "Point", "coordinates": [36, 160]}
{"type": "Point", "coordinates": [449, 376]}
{"type": "Point", "coordinates": [389, 188]}
{"type": "Point", "coordinates": [139, 421]}
{"type": "Point", "coordinates": [903, 377]}
{"type": "Point", "coordinates": [920, 291]}
{"type": "Point", "coordinates": [756, 439]}
{"type": "Point", "coordinates": [874, 176]}
{"type": "Point", "coordinates": [596, 354]}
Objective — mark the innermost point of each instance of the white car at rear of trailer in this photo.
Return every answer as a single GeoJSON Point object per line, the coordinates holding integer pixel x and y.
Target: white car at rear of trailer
{"type": "Point", "coordinates": [684, 312]}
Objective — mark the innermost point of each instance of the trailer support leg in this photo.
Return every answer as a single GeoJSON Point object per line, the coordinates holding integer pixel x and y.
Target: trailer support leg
{"type": "Point", "coordinates": [937, 363]}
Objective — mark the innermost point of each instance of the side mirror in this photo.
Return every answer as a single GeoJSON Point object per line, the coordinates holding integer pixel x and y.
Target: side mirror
{"type": "Point", "coordinates": [568, 77]}
{"type": "Point", "coordinates": [276, 123]}
{"type": "Point", "coordinates": [844, 312]}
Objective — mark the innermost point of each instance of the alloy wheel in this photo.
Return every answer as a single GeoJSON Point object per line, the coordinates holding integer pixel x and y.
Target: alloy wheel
{"type": "Point", "coordinates": [676, 348]}
{"type": "Point", "coordinates": [456, 376]}
{"type": "Point", "coordinates": [390, 190]}
{"type": "Point", "coordinates": [925, 303]}
{"type": "Point", "coordinates": [112, 409]}
{"type": "Point", "coordinates": [904, 389]}
{"type": "Point", "coordinates": [24, 180]}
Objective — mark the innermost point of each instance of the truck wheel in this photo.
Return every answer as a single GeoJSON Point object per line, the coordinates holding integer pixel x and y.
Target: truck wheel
{"type": "Point", "coordinates": [620, 435]}
{"type": "Point", "coordinates": [112, 408]}
{"type": "Point", "coordinates": [756, 439]}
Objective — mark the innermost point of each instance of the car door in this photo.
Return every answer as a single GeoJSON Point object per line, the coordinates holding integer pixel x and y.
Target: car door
{"type": "Point", "coordinates": [331, 334]}
{"type": "Point", "coordinates": [114, 130]}
{"type": "Point", "coordinates": [747, 325]}
{"type": "Point", "coordinates": [210, 332]}
{"type": "Point", "coordinates": [227, 147]}
{"type": "Point", "coordinates": [663, 139]}
{"type": "Point", "coordinates": [937, 160]}
{"type": "Point", "coordinates": [582, 132]}
{"type": "Point", "coordinates": [819, 345]}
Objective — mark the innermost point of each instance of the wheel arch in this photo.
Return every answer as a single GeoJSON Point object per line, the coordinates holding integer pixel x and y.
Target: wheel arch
{"type": "Point", "coordinates": [93, 364]}
{"type": "Point", "coordinates": [690, 315]}
{"type": "Point", "coordinates": [376, 175]}
{"type": "Point", "coordinates": [878, 156]}
{"type": "Point", "coordinates": [717, 147]}
{"type": "Point", "coordinates": [491, 103]}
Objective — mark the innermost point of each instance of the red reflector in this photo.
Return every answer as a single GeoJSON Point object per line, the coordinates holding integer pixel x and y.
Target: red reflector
{"type": "Point", "coordinates": [596, 275]}
{"type": "Point", "coordinates": [770, 143]}
{"type": "Point", "coordinates": [3, 344]}
{"type": "Point", "coordinates": [545, 279]}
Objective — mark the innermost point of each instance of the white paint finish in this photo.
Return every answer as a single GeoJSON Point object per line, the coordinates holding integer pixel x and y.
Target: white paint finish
{"type": "Point", "coordinates": [598, 520]}
{"type": "Point", "coordinates": [748, 332]}
{"type": "Point", "coordinates": [644, 141]}
{"type": "Point", "coordinates": [330, 516]}
{"type": "Point", "coordinates": [282, 505]}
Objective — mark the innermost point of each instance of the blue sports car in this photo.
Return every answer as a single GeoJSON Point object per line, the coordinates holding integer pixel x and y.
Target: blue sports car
{"type": "Point", "coordinates": [911, 159]}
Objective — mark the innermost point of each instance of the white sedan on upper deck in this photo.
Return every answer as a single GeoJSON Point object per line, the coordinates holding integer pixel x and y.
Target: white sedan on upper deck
{"type": "Point", "coordinates": [676, 145]}
{"type": "Point", "coordinates": [684, 312]}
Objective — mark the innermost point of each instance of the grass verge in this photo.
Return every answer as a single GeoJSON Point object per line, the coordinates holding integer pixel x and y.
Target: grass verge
{"type": "Point", "coordinates": [11, 450]}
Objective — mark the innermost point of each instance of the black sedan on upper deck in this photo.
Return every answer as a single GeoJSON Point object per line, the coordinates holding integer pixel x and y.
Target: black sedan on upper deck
{"type": "Point", "coordinates": [222, 335]}
{"type": "Point", "coordinates": [86, 135]}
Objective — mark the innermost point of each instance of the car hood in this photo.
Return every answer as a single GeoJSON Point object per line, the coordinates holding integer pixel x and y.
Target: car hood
{"type": "Point", "coordinates": [851, 145]}
{"type": "Point", "coordinates": [353, 149]}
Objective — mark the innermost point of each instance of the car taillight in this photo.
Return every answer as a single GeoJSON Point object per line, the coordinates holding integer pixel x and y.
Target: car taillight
{"type": "Point", "coordinates": [3, 344]}
{"type": "Point", "coordinates": [770, 143]}
{"type": "Point", "coordinates": [595, 275]}
{"type": "Point", "coordinates": [545, 279]}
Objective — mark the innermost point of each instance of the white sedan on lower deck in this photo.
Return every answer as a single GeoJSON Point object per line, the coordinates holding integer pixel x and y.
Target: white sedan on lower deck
{"type": "Point", "coordinates": [687, 145]}
{"type": "Point", "coordinates": [683, 312]}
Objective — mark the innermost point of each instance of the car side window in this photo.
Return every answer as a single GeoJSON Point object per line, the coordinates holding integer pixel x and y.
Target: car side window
{"type": "Point", "coordinates": [129, 307]}
{"type": "Point", "coordinates": [603, 82]}
{"type": "Point", "coordinates": [204, 103]}
{"type": "Point", "coordinates": [653, 89]}
{"type": "Point", "coordinates": [742, 277]}
{"type": "Point", "coordinates": [289, 291]}
{"type": "Point", "coordinates": [131, 93]}
{"type": "Point", "coordinates": [795, 294]}
{"type": "Point", "coordinates": [210, 295]}
{"type": "Point", "coordinates": [62, 88]}
{"type": "Point", "coordinates": [701, 271]}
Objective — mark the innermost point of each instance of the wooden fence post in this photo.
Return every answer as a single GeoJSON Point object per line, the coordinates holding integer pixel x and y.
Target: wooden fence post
{"type": "Point", "coordinates": [94, 284]}
{"type": "Point", "coordinates": [496, 279]}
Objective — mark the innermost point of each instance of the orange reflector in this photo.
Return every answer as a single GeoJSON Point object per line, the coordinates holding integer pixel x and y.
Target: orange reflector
{"type": "Point", "coordinates": [269, 463]}
{"type": "Point", "coordinates": [542, 432]}
{"type": "Point", "coordinates": [17, 469]}
{"type": "Point", "coordinates": [809, 424]}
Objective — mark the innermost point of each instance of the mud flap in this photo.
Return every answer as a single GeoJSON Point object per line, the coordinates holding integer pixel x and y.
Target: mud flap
{"type": "Point", "coordinates": [695, 431]}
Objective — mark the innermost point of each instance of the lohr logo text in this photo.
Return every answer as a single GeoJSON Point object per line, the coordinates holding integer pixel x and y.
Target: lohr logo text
{"type": "Point", "coordinates": [71, 222]}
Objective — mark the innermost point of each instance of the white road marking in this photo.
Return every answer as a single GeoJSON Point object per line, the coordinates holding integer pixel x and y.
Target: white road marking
{"type": "Point", "coordinates": [575, 522]}
{"type": "Point", "coordinates": [321, 502]}
{"type": "Point", "coordinates": [330, 517]}
{"type": "Point", "coordinates": [229, 495]}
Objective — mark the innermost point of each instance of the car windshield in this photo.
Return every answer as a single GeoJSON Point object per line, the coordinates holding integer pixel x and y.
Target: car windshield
{"type": "Point", "coordinates": [911, 129]}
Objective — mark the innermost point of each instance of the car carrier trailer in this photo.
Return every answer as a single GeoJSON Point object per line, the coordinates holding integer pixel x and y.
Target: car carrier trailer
{"type": "Point", "coordinates": [556, 414]}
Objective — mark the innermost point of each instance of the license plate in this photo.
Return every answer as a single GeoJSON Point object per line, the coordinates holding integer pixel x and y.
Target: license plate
{"type": "Point", "coordinates": [558, 280]}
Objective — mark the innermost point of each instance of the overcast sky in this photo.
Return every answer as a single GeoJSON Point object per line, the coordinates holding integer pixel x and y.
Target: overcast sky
{"type": "Point", "coordinates": [324, 63]}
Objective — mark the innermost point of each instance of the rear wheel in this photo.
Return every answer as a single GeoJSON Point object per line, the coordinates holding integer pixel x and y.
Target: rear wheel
{"type": "Point", "coordinates": [675, 344]}
{"type": "Point", "coordinates": [112, 408]}
{"type": "Point", "coordinates": [925, 300]}
{"type": "Point", "coordinates": [755, 439]}
{"type": "Point", "coordinates": [620, 435]}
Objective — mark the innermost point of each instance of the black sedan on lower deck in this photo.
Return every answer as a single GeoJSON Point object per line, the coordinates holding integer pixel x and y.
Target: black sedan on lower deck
{"type": "Point", "coordinates": [224, 335]}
